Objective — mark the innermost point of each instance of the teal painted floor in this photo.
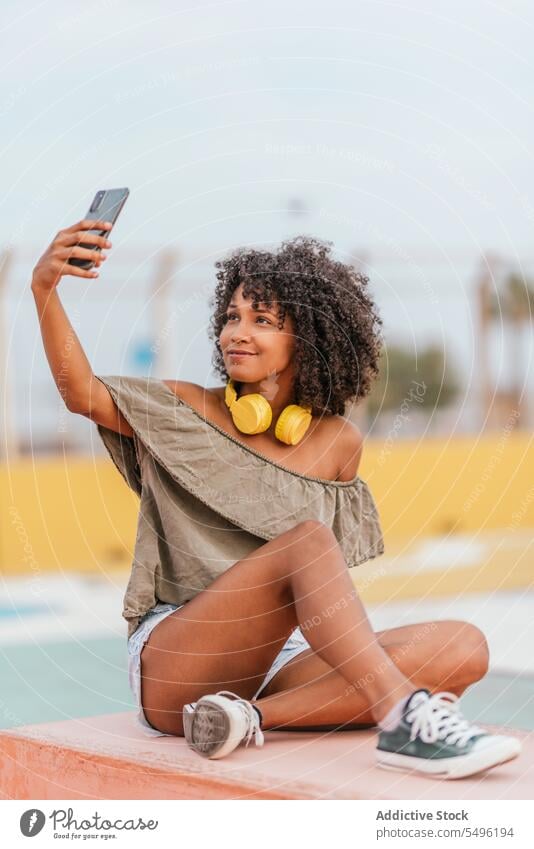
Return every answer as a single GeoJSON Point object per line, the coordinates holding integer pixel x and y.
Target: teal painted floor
{"type": "Point", "coordinates": [64, 680]}
{"type": "Point", "coordinates": [58, 681]}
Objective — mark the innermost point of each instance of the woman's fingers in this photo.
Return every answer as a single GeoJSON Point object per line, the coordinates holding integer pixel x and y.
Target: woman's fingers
{"type": "Point", "coordinates": [53, 264]}
{"type": "Point", "coordinates": [80, 253]}
{"type": "Point", "coordinates": [77, 236]}
{"type": "Point", "coordinates": [87, 224]}
{"type": "Point", "coordinates": [63, 268]}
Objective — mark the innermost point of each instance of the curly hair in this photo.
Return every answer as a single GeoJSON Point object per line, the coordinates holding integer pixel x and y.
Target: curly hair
{"type": "Point", "coordinates": [336, 324]}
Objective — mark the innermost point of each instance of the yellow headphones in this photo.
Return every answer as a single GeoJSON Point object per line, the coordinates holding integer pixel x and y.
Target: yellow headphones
{"type": "Point", "coordinates": [253, 414]}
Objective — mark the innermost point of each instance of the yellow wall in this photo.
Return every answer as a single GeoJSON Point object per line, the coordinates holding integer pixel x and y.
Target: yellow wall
{"type": "Point", "coordinates": [65, 514]}
{"type": "Point", "coordinates": [79, 514]}
{"type": "Point", "coordinates": [438, 486]}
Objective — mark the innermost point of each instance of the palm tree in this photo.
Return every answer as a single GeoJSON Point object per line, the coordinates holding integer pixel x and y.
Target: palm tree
{"type": "Point", "coordinates": [514, 305]}
{"type": "Point", "coordinates": [423, 378]}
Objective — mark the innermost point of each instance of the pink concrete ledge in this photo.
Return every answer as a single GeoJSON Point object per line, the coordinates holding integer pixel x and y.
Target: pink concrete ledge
{"type": "Point", "coordinates": [106, 757]}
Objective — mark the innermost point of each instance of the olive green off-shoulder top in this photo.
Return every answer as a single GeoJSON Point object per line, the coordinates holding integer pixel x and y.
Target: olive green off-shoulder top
{"type": "Point", "coordinates": [207, 500]}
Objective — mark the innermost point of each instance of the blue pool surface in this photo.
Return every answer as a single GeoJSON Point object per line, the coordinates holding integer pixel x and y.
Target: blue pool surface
{"type": "Point", "coordinates": [63, 680]}
{"type": "Point", "coordinates": [23, 610]}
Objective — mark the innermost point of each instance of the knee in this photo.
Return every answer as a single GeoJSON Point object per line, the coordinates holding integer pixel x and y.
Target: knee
{"type": "Point", "coordinates": [470, 652]}
{"type": "Point", "coordinates": [479, 652]}
{"type": "Point", "coordinates": [314, 533]}
{"type": "Point", "coordinates": [304, 546]}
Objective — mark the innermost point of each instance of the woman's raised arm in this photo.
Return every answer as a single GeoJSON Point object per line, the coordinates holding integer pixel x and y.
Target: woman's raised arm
{"type": "Point", "coordinates": [71, 370]}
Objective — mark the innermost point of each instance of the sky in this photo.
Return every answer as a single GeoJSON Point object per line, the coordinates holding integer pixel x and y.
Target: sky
{"type": "Point", "coordinates": [404, 131]}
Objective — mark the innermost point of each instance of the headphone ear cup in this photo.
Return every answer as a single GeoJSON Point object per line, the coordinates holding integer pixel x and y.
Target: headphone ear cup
{"type": "Point", "coordinates": [292, 424]}
{"type": "Point", "coordinates": [252, 414]}
{"type": "Point", "coordinates": [230, 395]}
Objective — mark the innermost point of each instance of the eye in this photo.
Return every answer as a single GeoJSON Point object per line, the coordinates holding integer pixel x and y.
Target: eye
{"type": "Point", "coordinates": [259, 318]}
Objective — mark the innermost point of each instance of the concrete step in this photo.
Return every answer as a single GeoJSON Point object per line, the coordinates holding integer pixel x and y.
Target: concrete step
{"type": "Point", "coordinates": [107, 757]}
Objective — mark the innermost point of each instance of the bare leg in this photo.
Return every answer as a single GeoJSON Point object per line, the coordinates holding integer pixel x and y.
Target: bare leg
{"type": "Point", "coordinates": [307, 693]}
{"type": "Point", "coordinates": [335, 623]}
{"type": "Point", "coordinates": [227, 636]}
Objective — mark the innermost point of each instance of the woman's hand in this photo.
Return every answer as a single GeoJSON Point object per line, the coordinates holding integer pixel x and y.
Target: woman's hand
{"type": "Point", "coordinates": [53, 264]}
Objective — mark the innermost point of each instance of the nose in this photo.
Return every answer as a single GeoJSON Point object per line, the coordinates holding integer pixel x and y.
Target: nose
{"type": "Point", "coordinates": [238, 334]}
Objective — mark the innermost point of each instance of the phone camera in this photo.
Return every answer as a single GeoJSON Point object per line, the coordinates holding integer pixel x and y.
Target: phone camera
{"type": "Point", "coordinates": [97, 201]}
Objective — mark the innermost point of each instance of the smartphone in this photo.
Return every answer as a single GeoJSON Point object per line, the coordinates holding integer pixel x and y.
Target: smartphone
{"type": "Point", "coordinates": [106, 206]}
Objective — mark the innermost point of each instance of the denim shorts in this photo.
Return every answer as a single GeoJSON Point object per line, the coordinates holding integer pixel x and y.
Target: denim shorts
{"type": "Point", "coordinates": [294, 645]}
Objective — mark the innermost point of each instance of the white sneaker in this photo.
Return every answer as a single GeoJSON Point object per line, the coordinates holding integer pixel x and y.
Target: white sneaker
{"type": "Point", "coordinates": [216, 724]}
{"type": "Point", "coordinates": [433, 738]}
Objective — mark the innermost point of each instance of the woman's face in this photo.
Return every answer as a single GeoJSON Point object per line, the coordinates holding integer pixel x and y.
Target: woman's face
{"type": "Point", "coordinates": [270, 350]}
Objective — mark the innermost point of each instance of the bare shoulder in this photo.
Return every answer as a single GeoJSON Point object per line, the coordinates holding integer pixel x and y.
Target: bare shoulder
{"type": "Point", "coordinates": [342, 427]}
{"type": "Point", "coordinates": [348, 439]}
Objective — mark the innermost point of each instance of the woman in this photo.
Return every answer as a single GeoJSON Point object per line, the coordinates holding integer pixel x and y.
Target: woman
{"type": "Point", "coordinates": [211, 607]}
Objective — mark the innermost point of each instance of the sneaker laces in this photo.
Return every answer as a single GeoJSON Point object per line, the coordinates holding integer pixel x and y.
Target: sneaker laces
{"type": "Point", "coordinates": [251, 715]}
{"type": "Point", "coordinates": [439, 718]}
